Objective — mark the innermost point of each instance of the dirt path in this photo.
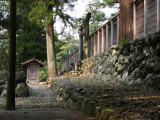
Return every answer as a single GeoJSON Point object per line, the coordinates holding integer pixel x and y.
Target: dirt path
{"type": "Point", "coordinates": [40, 105]}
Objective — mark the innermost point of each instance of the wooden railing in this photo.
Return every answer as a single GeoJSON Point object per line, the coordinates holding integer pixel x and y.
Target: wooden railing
{"type": "Point", "coordinates": [71, 59]}
{"type": "Point", "coordinates": [105, 37]}
{"type": "Point", "coordinates": [100, 41]}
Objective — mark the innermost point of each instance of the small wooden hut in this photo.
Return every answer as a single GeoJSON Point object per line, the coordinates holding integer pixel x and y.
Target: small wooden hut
{"type": "Point", "coordinates": [32, 68]}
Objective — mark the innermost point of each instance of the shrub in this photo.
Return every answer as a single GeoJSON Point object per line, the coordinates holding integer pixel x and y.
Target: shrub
{"type": "Point", "coordinates": [43, 73]}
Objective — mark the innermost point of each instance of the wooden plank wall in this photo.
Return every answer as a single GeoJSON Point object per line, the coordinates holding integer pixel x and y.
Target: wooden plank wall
{"type": "Point", "coordinates": [147, 17]}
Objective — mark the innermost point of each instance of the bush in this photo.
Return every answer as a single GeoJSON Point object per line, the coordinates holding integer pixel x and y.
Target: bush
{"type": "Point", "coordinates": [43, 73]}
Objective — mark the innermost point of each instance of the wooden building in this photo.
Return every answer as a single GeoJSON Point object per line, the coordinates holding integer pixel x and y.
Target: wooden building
{"type": "Point", "coordinates": [32, 68]}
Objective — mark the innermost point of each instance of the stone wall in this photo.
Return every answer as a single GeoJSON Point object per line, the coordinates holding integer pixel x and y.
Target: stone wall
{"type": "Point", "coordinates": [122, 72]}
{"type": "Point", "coordinates": [135, 63]}
{"type": "Point", "coordinates": [78, 97]}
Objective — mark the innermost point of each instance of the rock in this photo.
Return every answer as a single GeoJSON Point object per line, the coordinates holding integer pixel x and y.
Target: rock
{"type": "Point", "coordinates": [152, 65]}
{"type": "Point", "coordinates": [102, 68]}
{"type": "Point", "coordinates": [131, 68]}
{"type": "Point", "coordinates": [4, 93]}
{"type": "Point", "coordinates": [106, 77]}
{"type": "Point", "coordinates": [4, 75]}
{"type": "Point", "coordinates": [148, 78]}
{"type": "Point", "coordinates": [114, 52]}
{"type": "Point", "coordinates": [120, 69]}
{"type": "Point", "coordinates": [125, 75]}
{"type": "Point", "coordinates": [72, 105]}
{"type": "Point", "coordinates": [1, 89]}
{"type": "Point", "coordinates": [116, 66]}
{"type": "Point", "coordinates": [146, 51]}
{"type": "Point", "coordinates": [2, 82]}
{"type": "Point", "coordinates": [137, 73]}
{"type": "Point", "coordinates": [99, 75]}
{"type": "Point", "coordinates": [155, 83]}
{"type": "Point", "coordinates": [158, 49]}
{"type": "Point", "coordinates": [22, 90]}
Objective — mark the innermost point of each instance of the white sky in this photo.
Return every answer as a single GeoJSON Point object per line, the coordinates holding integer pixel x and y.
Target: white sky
{"type": "Point", "coordinates": [80, 8]}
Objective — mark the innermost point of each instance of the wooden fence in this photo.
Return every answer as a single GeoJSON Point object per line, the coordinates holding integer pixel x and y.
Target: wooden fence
{"type": "Point", "coordinates": [146, 20]}
{"type": "Point", "coordinates": [146, 17]}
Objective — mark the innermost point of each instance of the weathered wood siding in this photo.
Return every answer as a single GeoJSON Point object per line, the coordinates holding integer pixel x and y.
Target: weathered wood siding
{"type": "Point", "coordinates": [139, 19]}
{"type": "Point", "coordinates": [151, 16]}
{"type": "Point", "coordinates": [33, 72]}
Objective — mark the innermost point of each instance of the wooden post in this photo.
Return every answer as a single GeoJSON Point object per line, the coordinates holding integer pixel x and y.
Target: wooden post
{"type": "Point", "coordinates": [134, 20]}
{"type": "Point", "coordinates": [98, 51]}
{"type": "Point", "coordinates": [95, 44]}
{"type": "Point", "coordinates": [107, 37]}
{"type": "Point", "coordinates": [117, 29]}
{"type": "Point", "coordinates": [126, 20]}
{"type": "Point", "coordinates": [86, 34]}
{"type": "Point", "coordinates": [111, 33]}
{"type": "Point", "coordinates": [145, 17]}
{"type": "Point", "coordinates": [80, 46]}
{"type": "Point", "coordinates": [102, 39]}
{"type": "Point", "coordinates": [158, 7]}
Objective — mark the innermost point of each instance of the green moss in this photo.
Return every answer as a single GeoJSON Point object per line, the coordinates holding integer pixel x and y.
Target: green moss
{"type": "Point", "coordinates": [124, 47]}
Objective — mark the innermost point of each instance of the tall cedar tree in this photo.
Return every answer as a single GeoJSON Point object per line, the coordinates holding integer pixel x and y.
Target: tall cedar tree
{"type": "Point", "coordinates": [10, 102]}
{"type": "Point", "coordinates": [51, 9]}
{"type": "Point", "coordinates": [51, 54]}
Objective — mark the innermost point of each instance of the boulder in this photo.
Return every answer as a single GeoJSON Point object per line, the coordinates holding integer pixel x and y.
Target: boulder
{"type": "Point", "coordinates": [4, 93]}
{"type": "Point", "coordinates": [22, 90]}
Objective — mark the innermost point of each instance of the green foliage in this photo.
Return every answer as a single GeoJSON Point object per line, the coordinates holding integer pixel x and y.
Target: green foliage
{"type": "Point", "coordinates": [66, 46]}
{"type": "Point", "coordinates": [124, 47]}
{"type": "Point", "coordinates": [103, 3]}
{"type": "Point", "coordinates": [43, 73]}
{"type": "Point", "coordinates": [4, 51]}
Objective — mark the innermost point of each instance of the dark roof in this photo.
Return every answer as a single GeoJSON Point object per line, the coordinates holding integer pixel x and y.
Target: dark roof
{"type": "Point", "coordinates": [33, 60]}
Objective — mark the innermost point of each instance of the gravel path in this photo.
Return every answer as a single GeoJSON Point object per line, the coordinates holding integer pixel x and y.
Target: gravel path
{"type": "Point", "coordinates": [41, 105]}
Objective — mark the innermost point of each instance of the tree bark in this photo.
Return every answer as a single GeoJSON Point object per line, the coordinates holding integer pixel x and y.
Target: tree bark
{"type": "Point", "coordinates": [51, 54]}
{"type": "Point", "coordinates": [10, 99]}
{"type": "Point", "coordinates": [126, 20]}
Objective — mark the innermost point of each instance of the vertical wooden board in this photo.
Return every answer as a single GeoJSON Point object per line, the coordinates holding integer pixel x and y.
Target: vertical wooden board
{"type": "Point", "coordinates": [96, 43]}
{"type": "Point", "coordinates": [151, 16]}
{"type": "Point", "coordinates": [139, 19]}
{"type": "Point", "coordinates": [115, 32]}
{"type": "Point", "coordinates": [92, 47]}
{"type": "Point", "coordinates": [104, 38]}
{"type": "Point", "coordinates": [100, 40]}
{"type": "Point", "coordinates": [109, 35]}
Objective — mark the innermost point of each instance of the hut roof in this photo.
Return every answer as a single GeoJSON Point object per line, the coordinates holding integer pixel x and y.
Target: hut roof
{"type": "Point", "coordinates": [33, 60]}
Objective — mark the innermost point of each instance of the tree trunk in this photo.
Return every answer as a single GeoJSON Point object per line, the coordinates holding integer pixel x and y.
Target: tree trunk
{"type": "Point", "coordinates": [10, 100]}
{"type": "Point", "coordinates": [126, 20]}
{"type": "Point", "coordinates": [51, 54]}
